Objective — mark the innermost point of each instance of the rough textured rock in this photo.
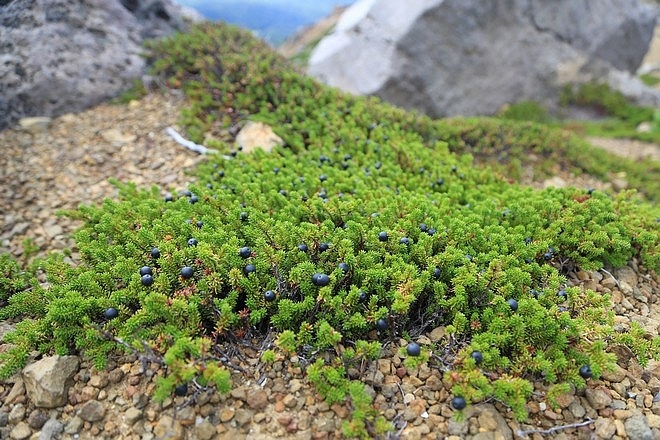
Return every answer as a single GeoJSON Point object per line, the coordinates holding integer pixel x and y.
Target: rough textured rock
{"type": "Point", "coordinates": [449, 57]}
{"type": "Point", "coordinates": [58, 56]}
{"type": "Point", "coordinates": [47, 381]}
{"type": "Point", "coordinates": [257, 135]}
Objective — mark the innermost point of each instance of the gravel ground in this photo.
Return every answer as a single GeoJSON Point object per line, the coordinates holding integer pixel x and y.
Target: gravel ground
{"type": "Point", "coordinates": [69, 163]}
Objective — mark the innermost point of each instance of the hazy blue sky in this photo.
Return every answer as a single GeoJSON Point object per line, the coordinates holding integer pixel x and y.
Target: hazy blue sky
{"type": "Point", "coordinates": [272, 19]}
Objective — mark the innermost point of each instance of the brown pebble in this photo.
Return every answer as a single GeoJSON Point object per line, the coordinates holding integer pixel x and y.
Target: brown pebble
{"type": "Point", "coordinates": [284, 419]}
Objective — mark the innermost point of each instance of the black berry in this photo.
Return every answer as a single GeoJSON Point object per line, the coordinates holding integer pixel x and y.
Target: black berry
{"type": "Point", "coordinates": [192, 242]}
{"type": "Point", "coordinates": [187, 272]}
{"type": "Point", "coordinates": [344, 267]}
{"type": "Point", "coordinates": [146, 270]}
{"type": "Point", "coordinates": [458, 403]}
{"type": "Point", "coordinates": [269, 296]}
{"type": "Point", "coordinates": [155, 253]}
{"type": "Point", "coordinates": [324, 247]}
{"type": "Point", "coordinates": [302, 247]}
{"type": "Point", "coordinates": [147, 279]}
{"type": "Point", "coordinates": [404, 240]}
{"type": "Point", "coordinates": [193, 199]}
{"type": "Point", "coordinates": [513, 304]}
{"type": "Point", "coordinates": [382, 236]}
{"type": "Point", "coordinates": [413, 349]}
{"type": "Point", "coordinates": [181, 390]}
{"type": "Point", "coordinates": [249, 268]}
{"type": "Point", "coordinates": [381, 324]}
{"type": "Point", "coordinates": [320, 279]}
{"type": "Point", "coordinates": [111, 313]}
{"type": "Point", "coordinates": [585, 372]}
{"type": "Point", "coordinates": [477, 356]}
{"type": "Point", "coordinates": [245, 252]}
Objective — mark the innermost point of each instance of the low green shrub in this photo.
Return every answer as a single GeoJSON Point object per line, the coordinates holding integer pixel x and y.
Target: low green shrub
{"type": "Point", "coordinates": [364, 227]}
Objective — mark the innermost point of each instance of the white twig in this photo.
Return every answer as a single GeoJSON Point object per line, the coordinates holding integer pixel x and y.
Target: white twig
{"type": "Point", "coordinates": [201, 149]}
{"type": "Point", "coordinates": [522, 433]}
{"type": "Point", "coordinates": [615, 280]}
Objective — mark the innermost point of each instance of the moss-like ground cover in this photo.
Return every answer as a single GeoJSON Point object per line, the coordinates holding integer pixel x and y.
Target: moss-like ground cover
{"type": "Point", "coordinates": [366, 226]}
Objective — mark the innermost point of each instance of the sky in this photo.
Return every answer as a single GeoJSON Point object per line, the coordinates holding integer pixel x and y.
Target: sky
{"type": "Point", "coordinates": [273, 20]}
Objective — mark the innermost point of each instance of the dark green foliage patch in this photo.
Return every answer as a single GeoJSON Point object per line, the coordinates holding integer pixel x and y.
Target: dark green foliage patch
{"type": "Point", "coordinates": [473, 241]}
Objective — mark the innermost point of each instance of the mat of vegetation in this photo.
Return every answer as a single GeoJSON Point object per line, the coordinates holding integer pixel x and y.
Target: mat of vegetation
{"type": "Point", "coordinates": [365, 226]}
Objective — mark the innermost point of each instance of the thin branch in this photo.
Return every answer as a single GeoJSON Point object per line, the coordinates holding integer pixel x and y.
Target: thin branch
{"type": "Point", "coordinates": [615, 280]}
{"type": "Point", "coordinates": [523, 433]}
{"type": "Point", "coordinates": [201, 149]}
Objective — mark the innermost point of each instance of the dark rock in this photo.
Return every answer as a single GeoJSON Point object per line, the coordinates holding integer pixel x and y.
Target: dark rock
{"type": "Point", "coordinates": [465, 57]}
{"type": "Point", "coordinates": [69, 56]}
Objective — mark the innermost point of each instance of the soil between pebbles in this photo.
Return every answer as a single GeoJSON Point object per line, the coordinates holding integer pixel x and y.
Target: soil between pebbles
{"type": "Point", "coordinates": [69, 163]}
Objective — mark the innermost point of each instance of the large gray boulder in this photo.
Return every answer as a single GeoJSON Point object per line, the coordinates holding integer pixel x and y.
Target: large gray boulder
{"type": "Point", "coordinates": [466, 57]}
{"type": "Point", "coordinates": [59, 56]}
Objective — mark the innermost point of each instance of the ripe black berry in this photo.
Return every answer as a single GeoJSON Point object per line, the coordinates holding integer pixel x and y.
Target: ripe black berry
{"type": "Point", "coordinates": [437, 273]}
{"type": "Point", "coordinates": [562, 293]}
{"type": "Point", "coordinates": [187, 272]}
{"type": "Point", "coordinates": [181, 390]}
{"type": "Point", "coordinates": [169, 198]}
{"type": "Point", "coordinates": [146, 270]}
{"type": "Point", "coordinates": [344, 267]}
{"type": "Point", "coordinates": [458, 403]}
{"type": "Point", "coordinates": [147, 279]}
{"type": "Point", "coordinates": [413, 349]}
{"type": "Point", "coordinates": [431, 231]}
{"type": "Point", "coordinates": [302, 247]}
{"type": "Point", "coordinates": [200, 223]}
{"type": "Point", "coordinates": [382, 236]}
{"type": "Point", "coordinates": [323, 177]}
{"type": "Point", "coordinates": [404, 240]}
{"type": "Point", "coordinates": [477, 356]}
{"type": "Point", "coordinates": [249, 268]}
{"type": "Point", "coordinates": [269, 295]}
{"type": "Point", "coordinates": [362, 296]}
{"type": "Point", "coordinates": [423, 227]}
{"type": "Point", "coordinates": [186, 193]}
{"type": "Point", "coordinates": [585, 372]}
{"type": "Point", "coordinates": [192, 242]}
{"type": "Point", "coordinates": [243, 216]}
{"type": "Point", "coordinates": [155, 253]}
{"type": "Point", "coordinates": [381, 324]}
{"type": "Point", "coordinates": [320, 279]}
{"type": "Point", "coordinates": [111, 313]}
{"type": "Point", "coordinates": [324, 247]}
{"type": "Point", "coordinates": [193, 199]}
{"type": "Point", "coordinates": [513, 304]}
{"type": "Point", "coordinates": [245, 252]}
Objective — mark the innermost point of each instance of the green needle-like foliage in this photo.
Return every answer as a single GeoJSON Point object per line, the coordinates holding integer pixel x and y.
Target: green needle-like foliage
{"type": "Point", "coordinates": [462, 240]}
